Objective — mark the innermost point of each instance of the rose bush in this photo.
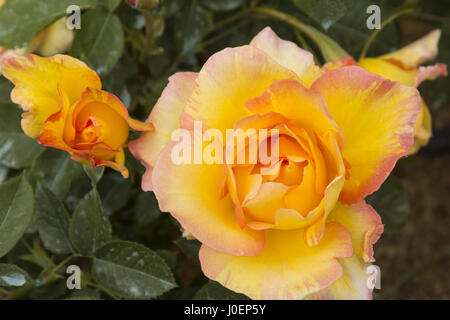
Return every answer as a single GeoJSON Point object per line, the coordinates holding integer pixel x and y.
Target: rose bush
{"type": "Point", "coordinates": [300, 228]}
{"type": "Point", "coordinates": [404, 66]}
{"type": "Point", "coordinates": [66, 109]}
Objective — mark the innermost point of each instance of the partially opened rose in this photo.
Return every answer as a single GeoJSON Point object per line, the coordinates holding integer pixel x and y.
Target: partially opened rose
{"type": "Point", "coordinates": [297, 226]}
{"type": "Point", "coordinates": [404, 66]}
{"type": "Point", "coordinates": [66, 109]}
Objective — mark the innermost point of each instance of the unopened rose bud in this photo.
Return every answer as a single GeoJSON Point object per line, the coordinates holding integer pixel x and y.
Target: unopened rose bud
{"type": "Point", "coordinates": [55, 39]}
{"type": "Point", "coordinates": [144, 4]}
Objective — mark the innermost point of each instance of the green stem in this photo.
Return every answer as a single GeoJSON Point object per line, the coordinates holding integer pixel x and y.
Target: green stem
{"type": "Point", "coordinates": [209, 42]}
{"type": "Point", "coordinates": [148, 17]}
{"type": "Point", "coordinates": [47, 277]}
{"type": "Point", "coordinates": [329, 48]}
{"type": "Point", "coordinates": [101, 288]}
{"type": "Point", "coordinates": [377, 31]}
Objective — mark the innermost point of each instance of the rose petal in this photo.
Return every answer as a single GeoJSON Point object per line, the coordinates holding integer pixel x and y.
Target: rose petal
{"type": "Point", "coordinates": [364, 225]}
{"type": "Point", "coordinates": [352, 285]}
{"type": "Point", "coordinates": [286, 53]}
{"type": "Point", "coordinates": [376, 117]}
{"type": "Point", "coordinates": [286, 269]}
{"type": "Point", "coordinates": [191, 193]}
{"type": "Point", "coordinates": [418, 52]}
{"type": "Point", "coordinates": [227, 80]}
{"type": "Point", "coordinates": [166, 117]}
{"type": "Point", "coordinates": [37, 81]}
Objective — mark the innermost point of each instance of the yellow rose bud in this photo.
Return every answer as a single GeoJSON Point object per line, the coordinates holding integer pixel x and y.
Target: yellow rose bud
{"type": "Point", "coordinates": [66, 109]}
{"type": "Point", "coordinates": [55, 39]}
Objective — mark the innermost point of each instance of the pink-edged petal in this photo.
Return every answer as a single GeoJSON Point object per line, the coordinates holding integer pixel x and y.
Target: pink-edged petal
{"type": "Point", "coordinates": [430, 73]}
{"type": "Point", "coordinates": [376, 117]}
{"type": "Point", "coordinates": [364, 225]}
{"type": "Point", "coordinates": [165, 117]}
{"type": "Point", "coordinates": [352, 285]}
{"type": "Point", "coordinates": [286, 269]}
{"type": "Point", "coordinates": [227, 80]}
{"type": "Point", "coordinates": [302, 106]}
{"type": "Point", "coordinates": [344, 62]}
{"type": "Point", "coordinates": [191, 193]}
{"type": "Point", "coordinates": [418, 52]}
{"type": "Point", "coordinates": [286, 53]}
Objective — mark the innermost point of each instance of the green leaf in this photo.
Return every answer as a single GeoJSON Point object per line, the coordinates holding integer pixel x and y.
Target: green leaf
{"type": "Point", "coordinates": [215, 291]}
{"type": "Point", "coordinates": [146, 208]}
{"type": "Point", "coordinates": [351, 31]}
{"type": "Point", "coordinates": [189, 247]}
{"type": "Point", "coordinates": [100, 41]}
{"type": "Point", "coordinates": [5, 90]}
{"type": "Point", "coordinates": [83, 298]}
{"type": "Point", "coordinates": [52, 221]}
{"type": "Point", "coordinates": [90, 228]}
{"type": "Point", "coordinates": [16, 211]}
{"type": "Point", "coordinates": [392, 204]}
{"type": "Point", "coordinates": [17, 150]}
{"type": "Point", "coordinates": [220, 5]}
{"type": "Point", "coordinates": [22, 20]}
{"type": "Point", "coordinates": [170, 257]}
{"type": "Point", "coordinates": [132, 270]}
{"type": "Point", "coordinates": [111, 5]}
{"type": "Point", "coordinates": [110, 187]}
{"type": "Point", "coordinates": [171, 7]}
{"type": "Point", "coordinates": [325, 12]}
{"type": "Point", "coordinates": [3, 173]}
{"type": "Point", "coordinates": [190, 23]}
{"type": "Point", "coordinates": [13, 276]}
{"type": "Point", "coordinates": [85, 293]}
{"type": "Point", "coordinates": [55, 170]}
{"type": "Point", "coordinates": [51, 291]}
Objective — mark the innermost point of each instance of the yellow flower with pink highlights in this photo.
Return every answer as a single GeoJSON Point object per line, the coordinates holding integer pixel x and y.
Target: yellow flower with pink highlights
{"type": "Point", "coordinates": [66, 108]}
{"type": "Point", "coordinates": [404, 66]}
{"type": "Point", "coordinates": [299, 228]}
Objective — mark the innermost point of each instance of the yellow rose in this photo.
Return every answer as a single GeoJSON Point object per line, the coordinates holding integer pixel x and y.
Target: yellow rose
{"type": "Point", "coordinates": [66, 109]}
{"type": "Point", "coordinates": [404, 66]}
{"type": "Point", "coordinates": [295, 227]}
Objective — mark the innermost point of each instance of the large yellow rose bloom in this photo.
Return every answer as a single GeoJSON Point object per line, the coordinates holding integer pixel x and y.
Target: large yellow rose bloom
{"type": "Point", "coordinates": [300, 228]}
